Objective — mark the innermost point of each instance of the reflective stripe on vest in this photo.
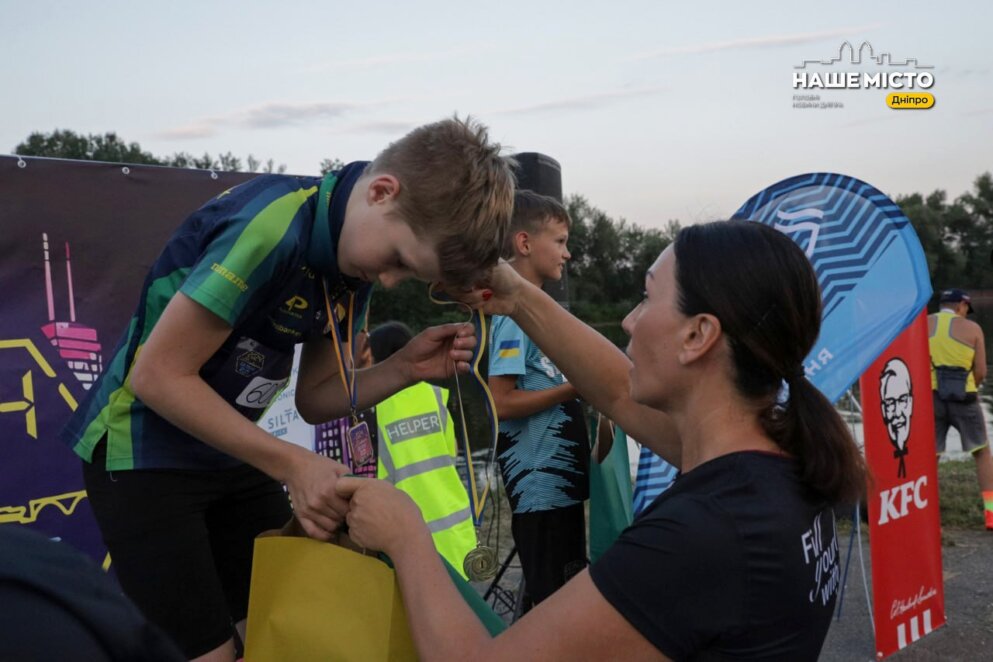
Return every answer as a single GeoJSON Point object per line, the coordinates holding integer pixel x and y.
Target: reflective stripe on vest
{"type": "Point", "coordinates": [946, 350]}
{"type": "Point", "coordinates": [401, 474]}
{"type": "Point", "coordinates": [449, 521]}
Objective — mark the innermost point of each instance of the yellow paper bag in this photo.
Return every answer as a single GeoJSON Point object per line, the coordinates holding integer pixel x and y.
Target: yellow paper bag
{"type": "Point", "coordinates": [312, 600]}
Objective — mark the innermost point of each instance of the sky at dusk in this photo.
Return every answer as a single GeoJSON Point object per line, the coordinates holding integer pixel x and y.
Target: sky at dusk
{"type": "Point", "coordinates": [655, 110]}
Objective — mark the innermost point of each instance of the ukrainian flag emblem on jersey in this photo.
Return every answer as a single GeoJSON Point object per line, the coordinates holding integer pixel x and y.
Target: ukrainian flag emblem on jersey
{"type": "Point", "coordinates": [508, 349]}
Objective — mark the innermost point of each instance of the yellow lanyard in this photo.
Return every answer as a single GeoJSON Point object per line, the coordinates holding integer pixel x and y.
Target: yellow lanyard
{"type": "Point", "coordinates": [347, 376]}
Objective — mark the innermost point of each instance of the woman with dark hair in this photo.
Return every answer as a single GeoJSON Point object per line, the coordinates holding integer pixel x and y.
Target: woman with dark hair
{"type": "Point", "coordinates": [739, 558]}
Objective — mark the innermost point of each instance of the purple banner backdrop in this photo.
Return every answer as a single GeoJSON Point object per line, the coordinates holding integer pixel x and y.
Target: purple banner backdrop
{"type": "Point", "coordinates": [76, 239]}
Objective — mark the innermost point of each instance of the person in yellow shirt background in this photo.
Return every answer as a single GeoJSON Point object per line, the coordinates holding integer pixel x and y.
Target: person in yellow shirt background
{"type": "Point", "coordinates": [958, 360]}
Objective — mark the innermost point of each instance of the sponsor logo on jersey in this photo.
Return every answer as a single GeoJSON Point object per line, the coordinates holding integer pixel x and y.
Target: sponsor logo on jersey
{"type": "Point", "coordinates": [249, 363]}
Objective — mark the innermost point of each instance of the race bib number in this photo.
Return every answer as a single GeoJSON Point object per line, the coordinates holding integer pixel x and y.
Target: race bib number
{"type": "Point", "coordinates": [260, 392]}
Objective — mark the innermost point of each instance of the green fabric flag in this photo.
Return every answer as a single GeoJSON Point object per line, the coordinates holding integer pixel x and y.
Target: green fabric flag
{"type": "Point", "coordinates": [493, 623]}
{"type": "Point", "coordinates": [610, 496]}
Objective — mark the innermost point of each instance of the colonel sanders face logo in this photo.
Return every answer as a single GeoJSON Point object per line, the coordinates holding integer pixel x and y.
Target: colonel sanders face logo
{"type": "Point", "coordinates": [896, 399]}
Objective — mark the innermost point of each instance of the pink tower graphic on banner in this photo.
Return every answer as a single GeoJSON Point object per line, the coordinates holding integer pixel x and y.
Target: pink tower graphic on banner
{"type": "Point", "coordinates": [77, 343]}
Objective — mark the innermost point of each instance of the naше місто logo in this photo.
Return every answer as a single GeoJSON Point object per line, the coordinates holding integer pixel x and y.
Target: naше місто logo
{"type": "Point", "coordinates": [876, 72]}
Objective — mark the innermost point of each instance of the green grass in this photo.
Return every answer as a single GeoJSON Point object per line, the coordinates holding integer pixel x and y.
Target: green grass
{"type": "Point", "coordinates": [958, 494]}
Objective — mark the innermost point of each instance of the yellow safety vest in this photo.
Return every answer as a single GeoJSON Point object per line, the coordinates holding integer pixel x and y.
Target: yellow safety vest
{"type": "Point", "coordinates": [417, 454]}
{"type": "Point", "coordinates": [946, 350]}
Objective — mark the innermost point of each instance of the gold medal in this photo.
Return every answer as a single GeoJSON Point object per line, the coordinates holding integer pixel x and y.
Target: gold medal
{"type": "Point", "coordinates": [480, 564]}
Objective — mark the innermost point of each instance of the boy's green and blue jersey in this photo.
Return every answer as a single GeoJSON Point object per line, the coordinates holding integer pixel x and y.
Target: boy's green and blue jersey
{"type": "Point", "coordinates": [257, 257]}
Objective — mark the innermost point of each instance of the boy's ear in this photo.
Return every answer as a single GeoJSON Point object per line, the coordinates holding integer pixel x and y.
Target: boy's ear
{"type": "Point", "coordinates": [382, 188]}
{"type": "Point", "coordinates": [700, 334]}
{"type": "Point", "coordinates": [522, 243]}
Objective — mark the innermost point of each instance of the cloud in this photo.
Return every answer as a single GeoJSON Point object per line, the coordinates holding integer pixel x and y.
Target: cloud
{"type": "Point", "coordinates": [188, 132]}
{"type": "Point", "coordinates": [384, 126]}
{"type": "Point", "coordinates": [270, 115]}
{"type": "Point", "coordinates": [276, 114]}
{"type": "Point", "coordinates": [585, 102]}
{"type": "Point", "coordinates": [578, 103]}
{"type": "Point", "coordinates": [757, 42]}
{"type": "Point", "coordinates": [393, 59]}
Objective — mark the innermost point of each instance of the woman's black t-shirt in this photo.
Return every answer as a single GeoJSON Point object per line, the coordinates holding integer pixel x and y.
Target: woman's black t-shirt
{"type": "Point", "coordinates": [735, 561]}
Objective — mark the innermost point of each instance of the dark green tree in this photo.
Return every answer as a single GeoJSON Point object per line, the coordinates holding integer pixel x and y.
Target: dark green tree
{"type": "Point", "coordinates": [973, 224]}
{"type": "Point", "coordinates": [65, 144]}
{"type": "Point", "coordinates": [327, 165]}
{"type": "Point", "coordinates": [931, 216]}
{"type": "Point", "coordinates": [957, 237]}
{"type": "Point", "coordinates": [609, 261]}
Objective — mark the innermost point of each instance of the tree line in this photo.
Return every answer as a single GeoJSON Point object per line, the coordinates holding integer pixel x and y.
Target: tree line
{"type": "Point", "coordinates": [957, 235]}
{"type": "Point", "coordinates": [109, 147]}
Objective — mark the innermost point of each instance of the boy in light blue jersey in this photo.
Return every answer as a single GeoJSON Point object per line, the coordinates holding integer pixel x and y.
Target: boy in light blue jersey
{"type": "Point", "coordinates": [180, 478]}
{"type": "Point", "coordinates": [543, 449]}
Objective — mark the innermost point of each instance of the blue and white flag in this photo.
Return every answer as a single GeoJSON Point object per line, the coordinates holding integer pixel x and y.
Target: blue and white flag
{"type": "Point", "coordinates": [655, 476]}
{"type": "Point", "coordinates": [869, 263]}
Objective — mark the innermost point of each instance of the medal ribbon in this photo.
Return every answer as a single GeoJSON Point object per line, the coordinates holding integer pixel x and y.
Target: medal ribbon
{"type": "Point", "coordinates": [477, 502]}
{"type": "Point", "coordinates": [327, 251]}
{"type": "Point", "coordinates": [347, 376]}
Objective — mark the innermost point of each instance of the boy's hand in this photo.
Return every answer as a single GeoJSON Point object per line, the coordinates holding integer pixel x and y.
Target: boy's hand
{"type": "Point", "coordinates": [316, 504]}
{"type": "Point", "coordinates": [435, 352]}
{"type": "Point", "coordinates": [379, 515]}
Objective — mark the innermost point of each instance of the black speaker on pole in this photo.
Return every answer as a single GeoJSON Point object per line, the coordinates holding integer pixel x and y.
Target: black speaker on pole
{"type": "Point", "coordinates": [539, 173]}
{"type": "Point", "coordinates": [542, 174]}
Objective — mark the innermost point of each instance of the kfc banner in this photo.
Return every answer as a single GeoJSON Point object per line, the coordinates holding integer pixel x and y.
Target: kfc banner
{"type": "Point", "coordinates": [904, 521]}
{"type": "Point", "coordinates": [76, 239]}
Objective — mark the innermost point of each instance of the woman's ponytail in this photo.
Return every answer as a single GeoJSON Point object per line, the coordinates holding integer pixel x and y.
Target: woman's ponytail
{"type": "Point", "coordinates": [764, 291]}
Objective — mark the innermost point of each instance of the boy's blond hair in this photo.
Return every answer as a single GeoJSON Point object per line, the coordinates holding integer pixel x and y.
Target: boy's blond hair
{"type": "Point", "coordinates": [455, 189]}
{"type": "Point", "coordinates": [532, 212]}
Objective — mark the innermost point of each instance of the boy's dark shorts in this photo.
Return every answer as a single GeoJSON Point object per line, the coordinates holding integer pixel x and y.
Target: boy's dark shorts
{"type": "Point", "coordinates": [551, 545]}
{"type": "Point", "coordinates": [181, 542]}
{"type": "Point", "coordinates": [966, 417]}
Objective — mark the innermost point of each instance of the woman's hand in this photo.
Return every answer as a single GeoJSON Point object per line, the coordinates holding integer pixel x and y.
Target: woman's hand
{"type": "Point", "coordinates": [501, 293]}
{"type": "Point", "coordinates": [379, 515]}
{"type": "Point", "coordinates": [496, 294]}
